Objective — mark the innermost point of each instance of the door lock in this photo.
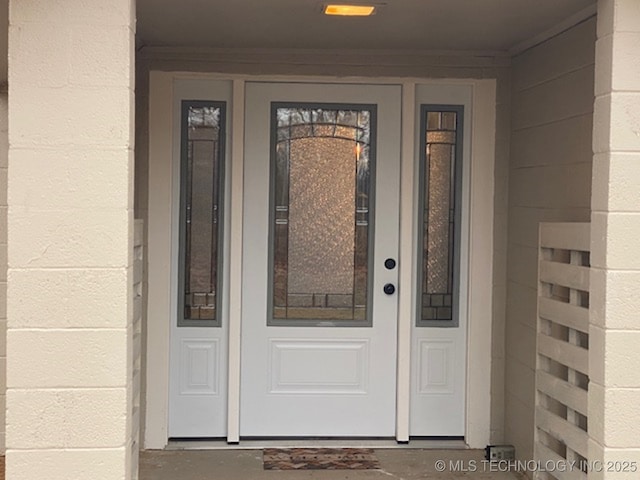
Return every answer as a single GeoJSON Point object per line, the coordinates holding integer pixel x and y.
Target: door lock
{"type": "Point", "coordinates": [389, 289]}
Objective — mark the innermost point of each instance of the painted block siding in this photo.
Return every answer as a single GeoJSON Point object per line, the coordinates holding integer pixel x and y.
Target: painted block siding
{"type": "Point", "coordinates": [549, 181]}
{"type": "Point", "coordinates": [614, 388]}
{"type": "Point", "coordinates": [4, 151]}
{"type": "Point", "coordinates": [70, 226]}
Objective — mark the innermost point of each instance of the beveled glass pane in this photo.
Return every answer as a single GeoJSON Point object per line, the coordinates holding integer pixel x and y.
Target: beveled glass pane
{"type": "Point", "coordinates": [320, 215]}
{"type": "Point", "coordinates": [438, 216]}
{"type": "Point", "coordinates": [200, 211]}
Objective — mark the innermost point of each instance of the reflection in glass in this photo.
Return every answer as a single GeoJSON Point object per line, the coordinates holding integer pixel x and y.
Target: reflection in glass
{"type": "Point", "coordinates": [321, 214]}
{"type": "Point", "coordinates": [201, 169]}
{"type": "Point", "coordinates": [438, 215]}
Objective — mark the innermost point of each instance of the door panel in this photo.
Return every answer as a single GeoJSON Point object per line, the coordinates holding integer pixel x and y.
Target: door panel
{"type": "Point", "coordinates": [438, 357]}
{"type": "Point", "coordinates": [198, 348]}
{"type": "Point", "coordinates": [319, 357]}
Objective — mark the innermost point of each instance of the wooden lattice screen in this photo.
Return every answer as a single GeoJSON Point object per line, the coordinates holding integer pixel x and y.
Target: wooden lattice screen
{"type": "Point", "coordinates": [562, 373]}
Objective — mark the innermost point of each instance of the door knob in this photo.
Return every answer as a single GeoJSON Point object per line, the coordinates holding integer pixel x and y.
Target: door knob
{"type": "Point", "coordinates": [389, 289]}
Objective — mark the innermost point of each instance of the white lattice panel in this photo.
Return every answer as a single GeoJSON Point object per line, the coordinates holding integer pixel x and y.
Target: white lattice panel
{"type": "Point", "coordinates": [562, 375]}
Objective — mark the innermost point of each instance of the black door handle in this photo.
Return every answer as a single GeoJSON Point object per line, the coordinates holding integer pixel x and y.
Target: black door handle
{"type": "Point", "coordinates": [389, 289]}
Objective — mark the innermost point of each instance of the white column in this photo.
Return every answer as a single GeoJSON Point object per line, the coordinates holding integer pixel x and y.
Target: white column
{"type": "Point", "coordinates": [614, 354]}
{"type": "Point", "coordinates": [70, 240]}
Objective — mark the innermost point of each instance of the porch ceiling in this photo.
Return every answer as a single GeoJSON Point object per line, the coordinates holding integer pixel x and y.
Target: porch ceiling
{"type": "Point", "coordinates": [479, 25]}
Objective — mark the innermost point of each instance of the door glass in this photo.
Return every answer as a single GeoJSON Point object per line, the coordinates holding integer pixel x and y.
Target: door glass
{"type": "Point", "coordinates": [201, 174]}
{"type": "Point", "coordinates": [321, 199]}
{"type": "Point", "coordinates": [439, 211]}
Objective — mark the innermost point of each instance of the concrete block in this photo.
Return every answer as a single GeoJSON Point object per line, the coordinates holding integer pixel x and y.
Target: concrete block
{"type": "Point", "coordinates": [3, 224]}
{"type": "Point", "coordinates": [625, 122]}
{"type": "Point", "coordinates": [3, 264]}
{"type": "Point", "coordinates": [95, 116]}
{"type": "Point", "coordinates": [626, 61]}
{"type": "Point", "coordinates": [596, 413]}
{"type": "Point", "coordinates": [605, 17]}
{"type": "Point", "coordinates": [597, 349]}
{"type": "Point", "coordinates": [64, 419]}
{"type": "Point", "coordinates": [67, 358]}
{"type": "Point", "coordinates": [92, 12]}
{"type": "Point", "coordinates": [614, 416]}
{"type": "Point", "coordinates": [71, 178]}
{"type": "Point", "coordinates": [616, 182]}
{"type": "Point", "coordinates": [613, 240]}
{"type": "Point", "coordinates": [604, 62]}
{"type": "Point", "coordinates": [622, 362]}
{"type": "Point", "coordinates": [621, 16]}
{"type": "Point", "coordinates": [614, 299]}
{"type": "Point", "coordinates": [103, 464]}
{"type": "Point", "coordinates": [602, 124]}
{"type": "Point", "coordinates": [40, 54]}
{"type": "Point", "coordinates": [111, 66]}
{"type": "Point", "coordinates": [3, 301]}
{"type": "Point", "coordinates": [3, 186]}
{"type": "Point", "coordinates": [613, 463]}
{"type": "Point", "coordinates": [3, 343]}
{"type": "Point", "coordinates": [69, 238]}
{"type": "Point", "coordinates": [69, 298]}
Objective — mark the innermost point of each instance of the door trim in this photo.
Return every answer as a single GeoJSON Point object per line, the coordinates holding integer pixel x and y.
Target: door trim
{"type": "Point", "coordinates": [480, 266]}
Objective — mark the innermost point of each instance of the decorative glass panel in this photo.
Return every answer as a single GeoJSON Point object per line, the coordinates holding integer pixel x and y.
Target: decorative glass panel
{"type": "Point", "coordinates": [439, 212]}
{"type": "Point", "coordinates": [202, 155]}
{"type": "Point", "coordinates": [321, 201]}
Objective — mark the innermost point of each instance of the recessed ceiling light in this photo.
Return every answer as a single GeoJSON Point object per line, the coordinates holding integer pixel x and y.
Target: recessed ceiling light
{"type": "Point", "coordinates": [350, 10]}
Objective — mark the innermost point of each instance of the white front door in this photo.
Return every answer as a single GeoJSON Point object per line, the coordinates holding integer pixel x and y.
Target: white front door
{"type": "Point", "coordinates": [321, 217]}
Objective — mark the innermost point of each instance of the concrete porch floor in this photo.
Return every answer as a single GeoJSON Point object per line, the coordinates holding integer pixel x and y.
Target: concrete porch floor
{"type": "Point", "coordinates": [400, 464]}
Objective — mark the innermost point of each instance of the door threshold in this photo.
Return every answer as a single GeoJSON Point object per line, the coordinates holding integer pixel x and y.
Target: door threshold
{"type": "Point", "coordinates": [258, 444]}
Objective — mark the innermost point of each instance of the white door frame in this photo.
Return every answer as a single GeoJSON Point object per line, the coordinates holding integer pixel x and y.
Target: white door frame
{"type": "Point", "coordinates": [162, 250]}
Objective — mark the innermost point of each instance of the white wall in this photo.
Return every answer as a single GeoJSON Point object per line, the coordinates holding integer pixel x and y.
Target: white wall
{"type": "Point", "coordinates": [549, 180]}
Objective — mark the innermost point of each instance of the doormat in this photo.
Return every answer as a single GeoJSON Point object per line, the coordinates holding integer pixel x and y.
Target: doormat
{"type": "Point", "coordinates": [319, 459]}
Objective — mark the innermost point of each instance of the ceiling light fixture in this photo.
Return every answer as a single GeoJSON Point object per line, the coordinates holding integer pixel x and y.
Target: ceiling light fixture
{"type": "Point", "coordinates": [349, 10]}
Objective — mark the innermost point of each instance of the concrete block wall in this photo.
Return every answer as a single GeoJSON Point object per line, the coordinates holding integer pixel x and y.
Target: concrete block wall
{"type": "Point", "coordinates": [614, 360]}
{"type": "Point", "coordinates": [4, 154]}
{"type": "Point", "coordinates": [70, 223]}
{"type": "Point", "coordinates": [549, 181]}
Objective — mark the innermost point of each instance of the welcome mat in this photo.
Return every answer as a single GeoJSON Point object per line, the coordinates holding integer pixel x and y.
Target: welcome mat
{"type": "Point", "coordinates": [319, 459]}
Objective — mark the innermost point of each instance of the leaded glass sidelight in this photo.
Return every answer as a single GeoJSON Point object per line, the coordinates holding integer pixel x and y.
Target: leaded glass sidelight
{"type": "Point", "coordinates": [322, 167]}
{"type": "Point", "coordinates": [200, 212]}
{"type": "Point", "coordinates": [440, 168]}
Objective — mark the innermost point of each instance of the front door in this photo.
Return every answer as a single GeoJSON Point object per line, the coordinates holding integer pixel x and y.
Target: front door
{"type": "Point", "coordinates": [319, 306]}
